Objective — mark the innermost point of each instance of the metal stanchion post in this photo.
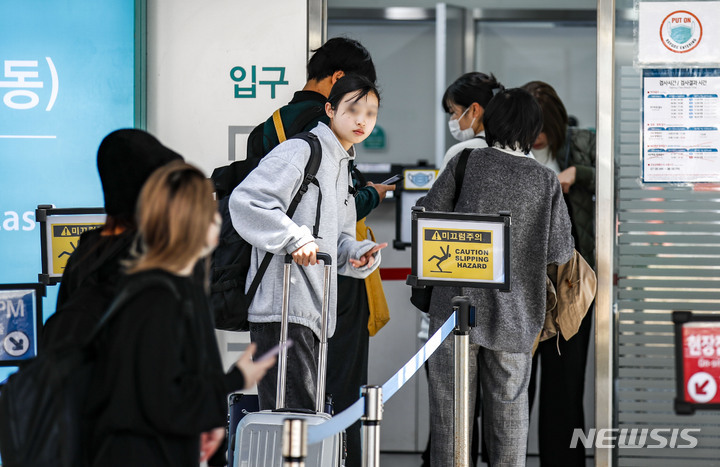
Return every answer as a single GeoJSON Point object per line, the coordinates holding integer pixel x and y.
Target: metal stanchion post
{"type": "Point", "coordinates": [371, 426]}
{"type": "Point", "coordinates": [294, 447]}
{"type": "Point", "coordinates": [461, 305]}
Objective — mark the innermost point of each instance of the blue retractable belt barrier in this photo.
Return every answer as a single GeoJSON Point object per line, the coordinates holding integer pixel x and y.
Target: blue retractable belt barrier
{"type": "Point", "coordinates": [348, 416]}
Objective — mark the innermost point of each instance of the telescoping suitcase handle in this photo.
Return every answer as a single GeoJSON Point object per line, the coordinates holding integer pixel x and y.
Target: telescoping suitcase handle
{"type": "Point", "coordinates": [322, 358]}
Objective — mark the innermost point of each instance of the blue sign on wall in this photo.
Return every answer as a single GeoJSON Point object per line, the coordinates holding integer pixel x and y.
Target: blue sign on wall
{"type": "Point", "coordinates": [67, 76]}
{"type": "Point", "coordinates": [20, 312]}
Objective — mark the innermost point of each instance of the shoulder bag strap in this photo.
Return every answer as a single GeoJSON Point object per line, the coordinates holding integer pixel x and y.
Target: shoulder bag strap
{"type": "Point", "coordinates": [460, 172]}
{"type": "Point", "coordinates": [124, 296]}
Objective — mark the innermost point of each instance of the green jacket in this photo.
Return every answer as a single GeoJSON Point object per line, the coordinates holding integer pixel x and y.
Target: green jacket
{"type": "Point", "coordinates": [310, 107]}
{"type": "Point", "coordinates": [579, 151]}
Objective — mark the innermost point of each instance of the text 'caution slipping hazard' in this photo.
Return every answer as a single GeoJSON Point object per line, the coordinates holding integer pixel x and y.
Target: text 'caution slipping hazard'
{"type": "Point", "coordinates": [457, 254]}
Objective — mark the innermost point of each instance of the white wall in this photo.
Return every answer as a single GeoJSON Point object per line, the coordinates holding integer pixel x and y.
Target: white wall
{"type": "Point", "coordinates": [404, 57]}
{"type": "Point", "coordinates": [562, 56]}
{"type": "Point", "coordinates": [191, 49]}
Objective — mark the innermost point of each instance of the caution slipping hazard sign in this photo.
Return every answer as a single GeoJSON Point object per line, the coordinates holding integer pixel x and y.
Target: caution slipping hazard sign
{"type": "Point", "coordinates": [457, 254]}
{"type": "Point", "coordinates": [64, 241]}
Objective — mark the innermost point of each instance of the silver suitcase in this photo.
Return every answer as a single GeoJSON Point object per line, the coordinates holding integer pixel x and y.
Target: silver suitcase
{"type": "Point", "coordinates": [259, 435]}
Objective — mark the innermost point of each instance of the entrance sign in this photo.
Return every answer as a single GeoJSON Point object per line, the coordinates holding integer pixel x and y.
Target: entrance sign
{"type": "Point", "coordinates": [457, 249]}
{"type": "Point", "coordinates": [60, 231]}
{"type": "Point", "coordinates": [681, 125]}
{"type": "Point", "coordinates": [697, 361]}
{"type": "Point", "coordinates": [20, 318]}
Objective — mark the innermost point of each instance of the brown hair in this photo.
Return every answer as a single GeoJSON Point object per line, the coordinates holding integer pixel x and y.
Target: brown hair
{"type": "Point", "coordinates": [174, 212]}
{"type": "Point", "coordinates": [555, 118]}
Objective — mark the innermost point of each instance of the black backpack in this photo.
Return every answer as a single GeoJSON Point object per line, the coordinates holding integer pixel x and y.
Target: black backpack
{"type": "Point", "coordinates": [420, 296]}
{"type": "Point", "coordinates": [231, 258]}
{"type": "Point", "coordinates": [43, 420]}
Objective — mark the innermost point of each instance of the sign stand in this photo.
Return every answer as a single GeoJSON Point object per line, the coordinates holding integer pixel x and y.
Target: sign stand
{"type": "Point", "coordinates": [697, 362]}
{"type": "Point", "coordinates": [60, 230]}
{"type": "Point", "coordinates": [461, 250]}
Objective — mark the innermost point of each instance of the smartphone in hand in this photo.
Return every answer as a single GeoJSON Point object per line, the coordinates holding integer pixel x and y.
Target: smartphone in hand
{"type": "Point", "coordinates": [275, 350]}
{"type": "Point", "coordinates": [392, 180]}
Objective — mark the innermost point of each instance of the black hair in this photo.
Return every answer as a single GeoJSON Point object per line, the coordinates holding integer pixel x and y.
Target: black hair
{"type": "Point", "coordinates": [471, 87]}
{"type": "Point", "coordinates": [555, 117]}
{"type": "Point", "coordinates": [350, 83]}
{"type": "Point", "coordinates": [341, 54]}
{"type": "Point", "coordinates": [513, 119]}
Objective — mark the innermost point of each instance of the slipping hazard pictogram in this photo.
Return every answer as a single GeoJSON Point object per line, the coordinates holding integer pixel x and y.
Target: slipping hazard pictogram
{"type": "Point", "coordinates": [441, 259]}
{"type": "Point", "coordinates": [64, 241]}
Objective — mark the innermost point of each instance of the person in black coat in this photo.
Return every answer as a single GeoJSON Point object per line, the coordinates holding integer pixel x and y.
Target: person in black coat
{"type": "Point", "coordinates": [125, 159]}
{"type": "Point", "coordinates": [161, 383]}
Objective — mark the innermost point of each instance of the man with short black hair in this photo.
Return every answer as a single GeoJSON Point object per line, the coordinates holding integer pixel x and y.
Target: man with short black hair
{"type": "Point", "coordinates": [335, 58]}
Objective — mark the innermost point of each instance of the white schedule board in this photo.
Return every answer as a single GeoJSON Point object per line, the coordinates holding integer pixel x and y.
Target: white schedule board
{"type": "Point", "coordinates": [681, 125]}
{"type": "Point", "coordinates": [457, 249]}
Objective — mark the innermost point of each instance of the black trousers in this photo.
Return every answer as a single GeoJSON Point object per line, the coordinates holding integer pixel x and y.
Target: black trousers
{"type": "Point", "coordinates": [562, 384]}
{"type": "Point", "coordinates": [302, 360]}
{"type": "Point", "coordinates": [348, 356]}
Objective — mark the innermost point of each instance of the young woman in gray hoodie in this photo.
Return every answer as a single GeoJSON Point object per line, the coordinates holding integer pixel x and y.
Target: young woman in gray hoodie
{"type": "Point", "coordinates": [257, 208]}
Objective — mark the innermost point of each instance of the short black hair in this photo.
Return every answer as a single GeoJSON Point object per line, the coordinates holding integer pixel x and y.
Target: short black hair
{"type": "Point", "coordinates": [341, 54]}
{"type": "Point", "coordinates": [350, 83]}
{"type": "Point", "coordinates": [513, 119]}
{"type": "Point", "coordinates": [471, 87]}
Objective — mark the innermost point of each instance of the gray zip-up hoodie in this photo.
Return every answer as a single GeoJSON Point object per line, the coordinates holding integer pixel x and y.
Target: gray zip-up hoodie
{"type": "Point", "coordinates": [257, 208]}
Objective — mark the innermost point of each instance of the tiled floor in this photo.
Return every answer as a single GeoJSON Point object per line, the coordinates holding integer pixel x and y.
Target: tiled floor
{"type": "Point", "coordinates": [413, 460]}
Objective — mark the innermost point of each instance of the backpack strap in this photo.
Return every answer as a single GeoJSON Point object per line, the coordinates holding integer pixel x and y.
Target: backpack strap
{"type": "Point", "coordinates": [460, 172]}
{"type": "Point", "coordinates": [311, 169]}
{"type": "Point", "coordinates": [279, 128]}
{"type": "Point", "coordinates": [298, 125]}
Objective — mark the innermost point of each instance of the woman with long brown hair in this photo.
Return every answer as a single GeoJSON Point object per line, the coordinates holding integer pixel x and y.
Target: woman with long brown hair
{"type": "Point", "coordinates": [162, 383]}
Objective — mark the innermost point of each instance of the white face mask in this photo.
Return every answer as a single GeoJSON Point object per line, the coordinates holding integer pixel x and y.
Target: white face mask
{"type": "Point", "coordinates": [458, 134]}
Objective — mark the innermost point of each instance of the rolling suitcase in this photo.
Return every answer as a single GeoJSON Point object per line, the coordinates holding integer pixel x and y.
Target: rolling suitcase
{"type": "Point", "coordinates": [258, 440]}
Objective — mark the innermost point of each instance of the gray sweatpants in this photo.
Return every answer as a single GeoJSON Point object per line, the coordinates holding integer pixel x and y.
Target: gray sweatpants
{"type": "Point", "coordinates": [504, 378]}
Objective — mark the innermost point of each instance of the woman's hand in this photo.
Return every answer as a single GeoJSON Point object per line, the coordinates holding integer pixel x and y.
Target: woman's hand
{"type": "Point", "coordinates": [253, 371]}
{"type": "Point", "coordinates": [306, 254]}
{"type": "Point", "coordinates": [210, 442]}
{"type": "Point", "coordinates": [567, 178]}
{"type": "Point", "coordinates": [368, 258]}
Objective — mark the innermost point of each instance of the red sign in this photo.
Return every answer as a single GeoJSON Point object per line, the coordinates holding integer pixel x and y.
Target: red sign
{"type": "Point", "coordinates": [701, 362]}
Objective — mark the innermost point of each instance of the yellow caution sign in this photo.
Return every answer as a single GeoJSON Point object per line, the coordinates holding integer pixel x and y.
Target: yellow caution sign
{"type": "Point", "coordinates": [457, 254]}
{"type": "Point", "coordinates": [64, 241]}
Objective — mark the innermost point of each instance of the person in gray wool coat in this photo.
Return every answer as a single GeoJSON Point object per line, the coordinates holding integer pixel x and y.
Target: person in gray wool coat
{"type": "Point", "coordinates": [500, 178]}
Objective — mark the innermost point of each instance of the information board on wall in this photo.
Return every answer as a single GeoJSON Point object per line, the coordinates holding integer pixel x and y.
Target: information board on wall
{"type": "Point", "coordinates": [20, 316]}
{"type": "Point", "coordinates": [681, 125]}
{"type": "Point", "coordinates": [461, 250]}
{"type": "Point", "coordinates": [697, 361]}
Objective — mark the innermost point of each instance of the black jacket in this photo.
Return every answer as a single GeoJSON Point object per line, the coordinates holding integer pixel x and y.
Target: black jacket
{"type": "Point", "coordinates": [160, 382]}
